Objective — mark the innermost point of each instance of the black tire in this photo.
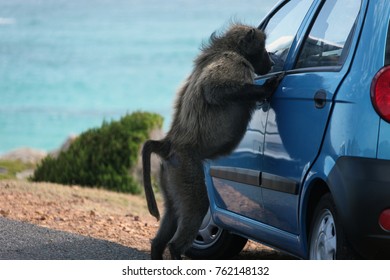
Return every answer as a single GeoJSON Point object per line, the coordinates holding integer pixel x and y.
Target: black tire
{"type": "Point", "coordinates": [326, 237]}
{"type": "Point", "coordinates": [214, 243]}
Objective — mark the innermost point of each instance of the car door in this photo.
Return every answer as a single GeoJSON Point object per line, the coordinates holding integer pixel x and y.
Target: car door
{"type": "Point", "coordinates": [236, 178]}
{"type": "Point", "coordinates": [298, 113]}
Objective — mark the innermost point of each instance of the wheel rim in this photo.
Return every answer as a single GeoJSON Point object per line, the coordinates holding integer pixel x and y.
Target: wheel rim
{"type": "Point", "coordinates": [208, 233]}
{"type": "Point", "coordinates": [324, 239]}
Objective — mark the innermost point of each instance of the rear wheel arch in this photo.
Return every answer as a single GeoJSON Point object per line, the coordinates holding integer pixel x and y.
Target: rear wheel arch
{"type": "Point", "coordinates": [316, 190]}
{"type": "Point", "coordinates": [320, 200]}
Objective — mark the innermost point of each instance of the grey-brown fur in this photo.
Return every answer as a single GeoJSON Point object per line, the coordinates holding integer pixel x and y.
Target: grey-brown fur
{"type": "Point", "coordinates": [213, 108]}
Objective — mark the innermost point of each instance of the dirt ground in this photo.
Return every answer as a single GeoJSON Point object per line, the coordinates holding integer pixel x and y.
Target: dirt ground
{"type": "Point", "coordinates": [120, 218]}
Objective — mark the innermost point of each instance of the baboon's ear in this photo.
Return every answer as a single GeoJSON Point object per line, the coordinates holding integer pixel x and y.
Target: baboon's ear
{"type": "Point", "coordinates": [248, 38]}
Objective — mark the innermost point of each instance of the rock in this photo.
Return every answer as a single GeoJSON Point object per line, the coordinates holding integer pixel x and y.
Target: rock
{"type": "Point", "coordinates": [4, 213]}
{"type": "Point", "coordinates": [65, 146]}
{"type": "Point", "coordinates": [26, 155]}
{"type": "Point", "coordinates": [25, 174]}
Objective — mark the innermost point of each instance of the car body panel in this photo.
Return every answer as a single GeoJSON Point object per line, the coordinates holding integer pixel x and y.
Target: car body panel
{"type": "Point", "coordinates": [291, 144]}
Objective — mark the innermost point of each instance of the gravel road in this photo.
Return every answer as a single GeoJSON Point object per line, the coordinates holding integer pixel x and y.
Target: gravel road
{"type": "Point", "coordinates": [24, 241]}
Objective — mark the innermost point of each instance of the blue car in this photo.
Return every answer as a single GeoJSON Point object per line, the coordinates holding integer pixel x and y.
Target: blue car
{"type": "Point", "coordinates": [311, 177]}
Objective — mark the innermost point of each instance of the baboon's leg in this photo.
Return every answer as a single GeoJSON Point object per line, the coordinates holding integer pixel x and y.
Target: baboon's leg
{"type": "Point", "coordinates": [165, 232]}
{"type": "Point", "coordinates": [168, 223]}
{"type": "Point", "coordinates": [192, 204]}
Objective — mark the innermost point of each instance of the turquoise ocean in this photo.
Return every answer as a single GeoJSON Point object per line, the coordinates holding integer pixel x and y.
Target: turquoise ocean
{"type": "Point", "coordinates": [68, 65]}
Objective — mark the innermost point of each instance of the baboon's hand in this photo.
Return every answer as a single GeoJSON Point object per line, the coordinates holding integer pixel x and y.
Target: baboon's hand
{"type": "Point", "coordinates": [272, 83]}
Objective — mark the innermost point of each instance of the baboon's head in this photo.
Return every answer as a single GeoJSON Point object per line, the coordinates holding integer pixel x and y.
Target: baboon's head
{"type": "Point", "coordinates": [245, 40]}
{"type": "Point", "coordinates": [251, 45]}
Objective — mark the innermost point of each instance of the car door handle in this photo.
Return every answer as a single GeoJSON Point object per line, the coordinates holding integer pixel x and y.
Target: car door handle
{"type": "Point", "coordinates": [320, 99]}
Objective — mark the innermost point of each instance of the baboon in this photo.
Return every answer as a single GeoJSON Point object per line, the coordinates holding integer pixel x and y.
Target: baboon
{"type": "Point", "coordinates": [212, 111]}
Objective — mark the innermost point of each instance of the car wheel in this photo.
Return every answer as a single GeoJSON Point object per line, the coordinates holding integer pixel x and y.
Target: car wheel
{"type": "Point", "coordinates": [326, 237]}
{"type": "Point", "coordinates": [212, 242]}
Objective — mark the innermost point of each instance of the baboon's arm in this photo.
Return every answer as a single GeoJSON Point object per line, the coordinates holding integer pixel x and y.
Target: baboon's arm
{"type": "Point", "coordinates": [244, 93]}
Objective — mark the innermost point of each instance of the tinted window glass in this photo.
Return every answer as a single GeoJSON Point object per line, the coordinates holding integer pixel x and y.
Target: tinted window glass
{"type": "Point", "coordinates": [328, 41]}
{"type": "Point", "coordinates": [282, 28]}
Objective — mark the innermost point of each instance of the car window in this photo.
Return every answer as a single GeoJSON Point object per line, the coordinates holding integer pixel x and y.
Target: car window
{"type": "Point", "coordinates": [282, 28]}
{"type": "Point", "coordinates": [328, 40]}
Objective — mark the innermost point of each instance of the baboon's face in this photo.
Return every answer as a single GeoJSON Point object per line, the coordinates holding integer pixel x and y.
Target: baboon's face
{"type": "Point", "coordinates": [256, 52]}
{"type": "Point", "coordinates": [261, 62]}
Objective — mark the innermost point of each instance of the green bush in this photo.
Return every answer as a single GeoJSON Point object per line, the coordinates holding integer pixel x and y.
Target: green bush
{"type": "Point", "coordinates": [102, 157]}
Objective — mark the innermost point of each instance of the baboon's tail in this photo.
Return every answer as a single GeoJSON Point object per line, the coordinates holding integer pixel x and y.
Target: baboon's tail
{"type": "Point", "coordinates": [162, 149]}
